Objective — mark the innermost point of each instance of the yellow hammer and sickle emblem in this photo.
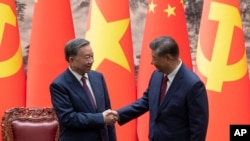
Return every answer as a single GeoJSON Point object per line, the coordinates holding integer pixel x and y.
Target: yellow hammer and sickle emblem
{"type": "Point", "coordinates": [216, 70]}
{"type": "Point", "coordinates": [13, 64]}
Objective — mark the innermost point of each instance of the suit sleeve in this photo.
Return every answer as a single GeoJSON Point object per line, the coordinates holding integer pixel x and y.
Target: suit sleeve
{"type": "Point", "coordinates": [137, 108]}
{"type": "Point", "coordinates": [198, 112]}
{"type": "Point", "coordinates": [134, 110]}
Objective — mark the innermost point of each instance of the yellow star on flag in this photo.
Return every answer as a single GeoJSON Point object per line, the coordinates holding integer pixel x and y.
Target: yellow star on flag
{"type": "Point", "coordinates": [105, 38]}
{"type": "Point", "coordinates": [152, 6]}
{"type": "Point", "coordinates": [170, 10]}
{"type": "Point", "coordinates": [181, 1]}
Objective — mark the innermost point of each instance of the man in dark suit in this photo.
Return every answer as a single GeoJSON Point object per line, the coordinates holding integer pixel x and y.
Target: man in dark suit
{"type": "Point", "coordinates": [80, 98]}
{"type": "Point", "coordinates": [181, 113]}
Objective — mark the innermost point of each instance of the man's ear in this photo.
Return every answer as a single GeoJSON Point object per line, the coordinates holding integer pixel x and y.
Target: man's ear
{"type": "Point", "coordinates": [169, 57]}
{"type": "Point", "coordinates": [71, 59]}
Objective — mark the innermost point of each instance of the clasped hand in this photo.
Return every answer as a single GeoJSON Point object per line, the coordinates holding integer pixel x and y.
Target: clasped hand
{"type": "Point", "coordinates": [110, 117]}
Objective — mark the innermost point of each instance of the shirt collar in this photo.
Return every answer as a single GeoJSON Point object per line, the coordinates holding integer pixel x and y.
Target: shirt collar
{"type": "Point", "coordinates": [77, 75]}
{"type": "Point", "coordinates": [173, 73]}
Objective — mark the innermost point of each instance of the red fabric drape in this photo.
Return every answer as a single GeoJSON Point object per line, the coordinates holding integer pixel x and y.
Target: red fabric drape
{"type": "Point", "coordinates": [109, 31]}
{"type": "Point", "coordinates": [12, 75]}
{"type": "Point", "coordinates": [222, 65]}
{"type": "Point", "coordinates": [52, 27]}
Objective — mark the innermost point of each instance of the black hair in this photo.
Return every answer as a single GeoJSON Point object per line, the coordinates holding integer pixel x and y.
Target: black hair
{"type": "Point", "coordinates": [165, 45]}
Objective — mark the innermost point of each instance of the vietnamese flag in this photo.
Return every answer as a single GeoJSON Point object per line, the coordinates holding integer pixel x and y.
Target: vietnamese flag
{"type": "Point", "coordinates": [164, 17]}
{"type": "Point", "coordinates": [109, 31]}
{"type": "Point", "coordinates": [222, 65]}
{"type": "Point", "coordinates": [12, 75]}
{"type": "Point", "coordinates": [52, 27]}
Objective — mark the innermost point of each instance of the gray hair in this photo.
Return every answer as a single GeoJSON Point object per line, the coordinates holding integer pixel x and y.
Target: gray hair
{"type": "Point", "coordinates": [72, 47]}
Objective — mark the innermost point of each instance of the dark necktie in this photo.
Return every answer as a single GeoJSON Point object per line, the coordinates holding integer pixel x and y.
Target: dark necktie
{"type": "Point", "coordinates": [103, 131]}
{"type": "Point", "coordinates": [86, 89]}
{"type": "Point", "coordinates": [163, 88]}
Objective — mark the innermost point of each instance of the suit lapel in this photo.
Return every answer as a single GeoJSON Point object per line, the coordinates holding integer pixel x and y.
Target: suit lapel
{"type": "Point", "coordinates": [154, 91]}
{"type": "Point", "coordinates": [78, 89]}
{"type": "Point", "coordinates": [98, 91]}
{"type": "Point", "coordinates": [173, 88]}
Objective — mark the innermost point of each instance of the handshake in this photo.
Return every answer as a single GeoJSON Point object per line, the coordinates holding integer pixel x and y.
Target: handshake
{"type": "Point", "coordinates": [110, 117]}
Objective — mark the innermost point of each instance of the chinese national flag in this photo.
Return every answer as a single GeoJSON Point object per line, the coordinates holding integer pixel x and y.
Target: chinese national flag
{"type": "Point", "coordinates": [164, 18]}
{"type": "Point", "coordinates": [52, 27]}
{"type": "Point", "coordinates": [109, 32]}
{"type": "Point", "coordinates": [222, 64]}
{"type": "Point", "coordinates": [12, 75]}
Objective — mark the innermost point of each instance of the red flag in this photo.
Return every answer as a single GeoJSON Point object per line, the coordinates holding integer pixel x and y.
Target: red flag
{"type": "Point", "coordinates": [164, 17]}
{"type": "Point", "coordinates": [12, 75]}
{"type": "Point", "coordinates": [222, 65]}
{"type": "Point", "coordinates": [52, 27]}
{"type": "Point", "coordinates": [109, 32]}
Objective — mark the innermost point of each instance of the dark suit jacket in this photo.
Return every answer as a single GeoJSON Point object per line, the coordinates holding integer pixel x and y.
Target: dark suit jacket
{"type": "Point", "coordinates": [78, 119]}
{"type": "Point", "coordinates": [183, 114]}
